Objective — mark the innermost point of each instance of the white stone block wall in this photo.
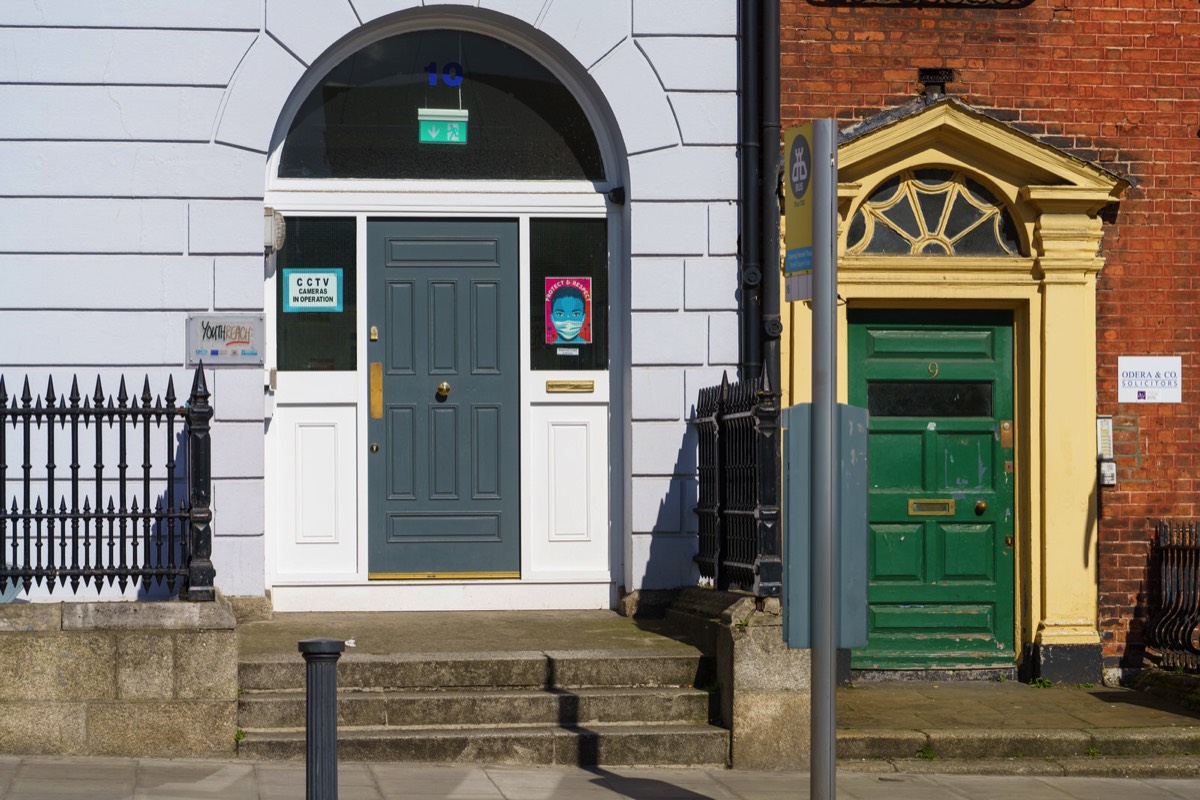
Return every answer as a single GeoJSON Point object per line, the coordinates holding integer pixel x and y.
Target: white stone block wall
{"type": "Point", "coordinates": [134, 152]}
{"type": "Point", "coordinates": [684, 270]}
{"type": "Point", "coordinates": [120, 214]}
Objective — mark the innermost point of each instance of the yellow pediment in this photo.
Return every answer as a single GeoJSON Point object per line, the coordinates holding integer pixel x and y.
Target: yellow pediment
{"type": "Point", "coordinates": [950, 134]}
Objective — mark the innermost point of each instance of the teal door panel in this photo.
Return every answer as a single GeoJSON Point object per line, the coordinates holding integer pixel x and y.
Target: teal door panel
{"type": "Point", "coordinates": [443, 467]}
{"type": "Point", "coordinates": [938, 386]}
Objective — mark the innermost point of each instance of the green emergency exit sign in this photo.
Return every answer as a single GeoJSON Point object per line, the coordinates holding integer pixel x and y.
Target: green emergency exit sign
{"type": "Point", "coordinates": [442, 125]}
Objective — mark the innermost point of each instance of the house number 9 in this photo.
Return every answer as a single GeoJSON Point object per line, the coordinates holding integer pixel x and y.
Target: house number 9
{"type": "Point", "coordinates": [933, 369]}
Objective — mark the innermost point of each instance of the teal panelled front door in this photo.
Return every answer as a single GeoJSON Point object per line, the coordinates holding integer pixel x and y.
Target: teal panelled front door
{"type": "Point", "coordinates": [939, 389]}
{"type": "Point", "coordinates": [444, 392]}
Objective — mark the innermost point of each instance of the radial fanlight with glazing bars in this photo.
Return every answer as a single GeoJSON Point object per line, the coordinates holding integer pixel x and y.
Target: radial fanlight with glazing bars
{"type": "Point", "coordinates": [933, 212]}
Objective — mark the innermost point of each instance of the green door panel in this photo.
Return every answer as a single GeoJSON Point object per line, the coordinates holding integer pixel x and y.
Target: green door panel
{"type": "Point", "coordinates": [443, 476]}
{"type": "Point", "coordinates": [938, 385]}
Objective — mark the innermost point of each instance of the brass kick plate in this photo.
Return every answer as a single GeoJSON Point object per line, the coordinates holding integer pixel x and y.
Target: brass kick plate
{"type": "Point", "coordinates": [441, 576]}
{"type": "Point", "coordinates": [582, 387]}
{"type": "Point", "coordinates": [376, 390]}
{"type": "Point", "coordinates": [931, 508]}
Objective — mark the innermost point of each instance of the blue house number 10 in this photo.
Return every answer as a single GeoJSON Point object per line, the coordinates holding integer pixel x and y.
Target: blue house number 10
{"type": "Point", "coordinates": [452, 73]}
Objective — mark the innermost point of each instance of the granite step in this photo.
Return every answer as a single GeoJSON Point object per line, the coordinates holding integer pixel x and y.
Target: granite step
{"type": "Point", "coordinates": [453, 708]}
{"type": "Point", "coordinates": [530, 670]}
{"type": "Point", "coordinates": [600, 744]}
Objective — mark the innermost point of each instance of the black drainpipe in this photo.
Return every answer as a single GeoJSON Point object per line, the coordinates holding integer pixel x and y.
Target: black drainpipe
{"type": "Point", "coordinates": [759, 159]}
{"type": "Point", "coordinates": [749, 240]}
{"type": "Point", "coordinates": [772, 328]}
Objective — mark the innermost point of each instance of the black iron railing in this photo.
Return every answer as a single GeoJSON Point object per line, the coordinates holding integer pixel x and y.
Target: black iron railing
{"type": "Point", "coordinates": [738, 426]}
{"type": "Point", "coordinates": [1171, 628]}
{"type": "Point", "coordinates": [106, 523]}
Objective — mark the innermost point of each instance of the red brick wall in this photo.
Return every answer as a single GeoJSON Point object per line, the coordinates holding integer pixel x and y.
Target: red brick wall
{"type": "Point", "coordinates": [1115, 82]}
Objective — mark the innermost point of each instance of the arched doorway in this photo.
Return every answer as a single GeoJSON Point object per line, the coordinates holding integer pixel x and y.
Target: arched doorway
{"type": "Point", "coordinates": [437, 440]}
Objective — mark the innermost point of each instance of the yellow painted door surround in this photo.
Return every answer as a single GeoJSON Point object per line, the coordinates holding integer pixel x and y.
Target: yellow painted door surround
{"type": "Point", "coordinates": [1047, 282]}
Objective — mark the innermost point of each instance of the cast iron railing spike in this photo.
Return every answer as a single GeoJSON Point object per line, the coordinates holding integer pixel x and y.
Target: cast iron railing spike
{"type": "Point", "coordinates": [62, 538]}
{"type": "Point", "coordinates": [50, 397]}
{"type": "Point", "coordinates": [199, 384]}
{"type": "Point", "coordinates": [112, 545]}
{"type": "Point", "coordinates": [133, 539]}
{"type": "Point", "coordinates": [12, 514]}
{"type": "Point", "coordinates": [38, 518]}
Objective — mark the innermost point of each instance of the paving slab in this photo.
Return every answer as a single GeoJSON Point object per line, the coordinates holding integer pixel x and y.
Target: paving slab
{"type": "Point", "coordinates": [159, 779]}
{"type": "Point", "coordinates": [1004, 788]}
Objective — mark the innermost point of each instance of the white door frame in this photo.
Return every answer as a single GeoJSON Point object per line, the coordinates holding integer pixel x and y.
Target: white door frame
{"type": "Point", "coordinates": [546, 582]}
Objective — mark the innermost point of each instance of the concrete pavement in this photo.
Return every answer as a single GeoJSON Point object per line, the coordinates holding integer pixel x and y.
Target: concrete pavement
{"type": "Point", "coordinates": [44, 778]}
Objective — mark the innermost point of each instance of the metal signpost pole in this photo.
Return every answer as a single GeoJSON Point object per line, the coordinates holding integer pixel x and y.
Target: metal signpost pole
{"type": "Point", "coordinates": [825, 467]}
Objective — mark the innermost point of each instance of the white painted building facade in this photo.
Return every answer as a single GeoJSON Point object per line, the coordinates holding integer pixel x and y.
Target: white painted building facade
{"type": "Point", "coordinates": [143, 141]}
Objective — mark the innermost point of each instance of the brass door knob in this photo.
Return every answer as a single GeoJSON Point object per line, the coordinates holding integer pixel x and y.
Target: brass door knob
{"type": "Point", "coordinates": [374, 447]}
{"type": "Point", "coordinates": [981, 507]}
{"type": "Point", "coordinates": [443, 389]}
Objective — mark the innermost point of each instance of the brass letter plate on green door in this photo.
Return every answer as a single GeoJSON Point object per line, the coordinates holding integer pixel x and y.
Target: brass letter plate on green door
{"type": "Point", "coordinates": [931, 508]}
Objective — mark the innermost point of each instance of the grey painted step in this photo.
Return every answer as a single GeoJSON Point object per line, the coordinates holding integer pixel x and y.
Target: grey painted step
{"type": "Point", "coordinates": [606, 745]}
{"type": "Point", "coordinates": [574, 669]}
{"type": "Point", "coordinates": [261, 710]}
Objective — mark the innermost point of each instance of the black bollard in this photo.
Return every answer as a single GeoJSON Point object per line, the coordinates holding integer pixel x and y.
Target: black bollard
{"type": "Point", "coordinates": [320, 717]}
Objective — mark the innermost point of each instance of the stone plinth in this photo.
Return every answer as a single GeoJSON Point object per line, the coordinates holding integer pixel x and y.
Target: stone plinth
{"type": "Point", "coordinates": [118, 679]}
{"type": "Point", "coordinates": [764, 685]}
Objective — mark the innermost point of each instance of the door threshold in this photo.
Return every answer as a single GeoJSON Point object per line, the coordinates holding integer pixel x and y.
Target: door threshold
{"type": "Point", "coordinates": [442, 576]}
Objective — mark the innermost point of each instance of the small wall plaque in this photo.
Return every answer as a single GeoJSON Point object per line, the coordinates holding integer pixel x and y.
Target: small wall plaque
{"type": "Point", "coordinates": [226, 339]}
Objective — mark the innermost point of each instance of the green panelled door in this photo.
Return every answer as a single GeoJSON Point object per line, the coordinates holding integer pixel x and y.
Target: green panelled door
{"type": "Point", "coordinates": [939, 389]}
{"type": "Point", "coordinates": [443, 424]}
